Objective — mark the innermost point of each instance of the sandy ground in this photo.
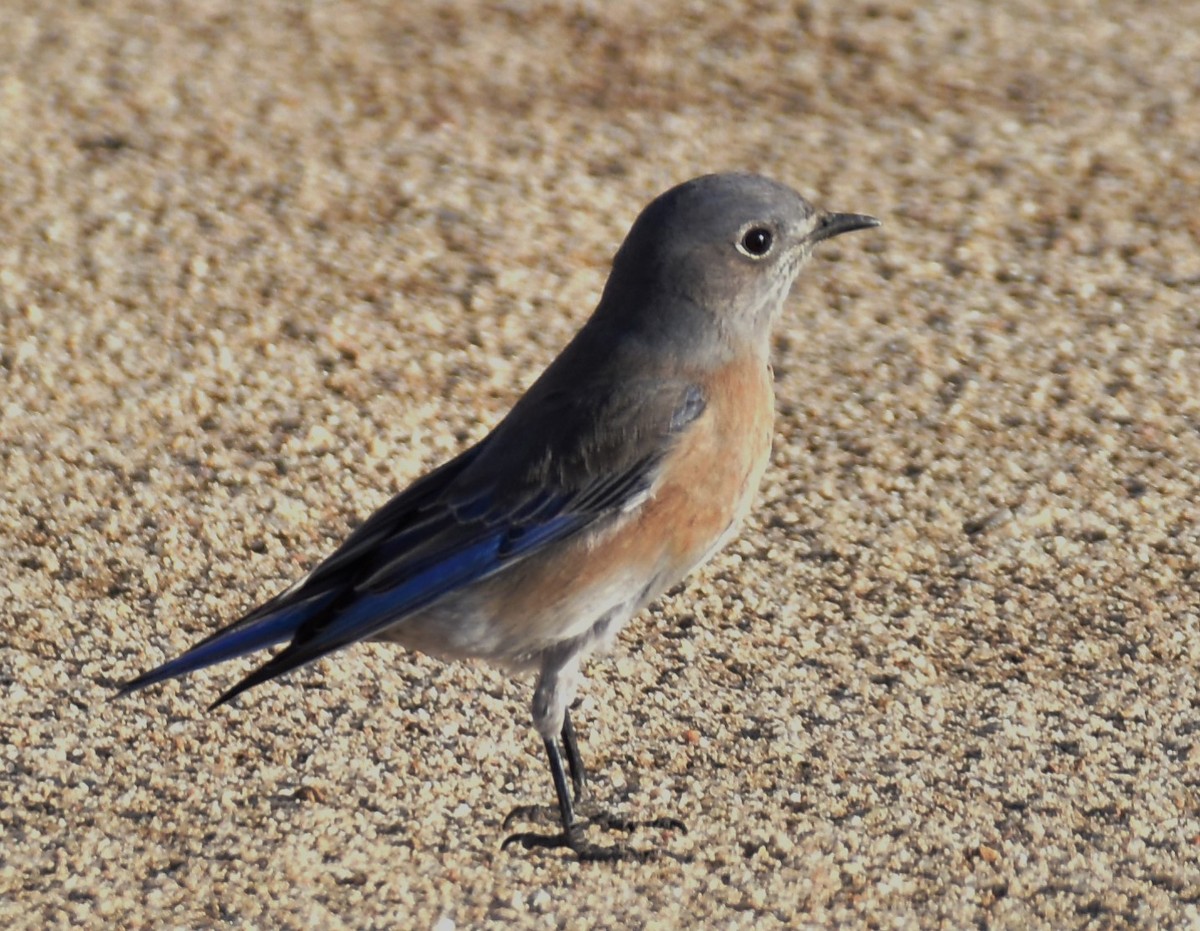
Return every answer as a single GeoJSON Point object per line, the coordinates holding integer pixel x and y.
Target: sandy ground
{"type": "Point", "coordinates": [263, 263]}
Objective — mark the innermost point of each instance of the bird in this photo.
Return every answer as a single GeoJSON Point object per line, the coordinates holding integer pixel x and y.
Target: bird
{"type": "Point", "coordinates": [628, 463]}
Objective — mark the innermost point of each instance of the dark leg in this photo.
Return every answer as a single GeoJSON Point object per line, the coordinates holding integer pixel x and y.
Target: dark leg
{"type": "Point", "coordinates": [566, 810]}
{"type": "Point", "coordinates": [574, 760]}
{"type": "Point", "coordinates": [579, 782]}
{"type": "Point", "coordinates": [572, 829]}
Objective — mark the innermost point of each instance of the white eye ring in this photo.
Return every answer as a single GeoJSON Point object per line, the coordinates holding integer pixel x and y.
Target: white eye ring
{"type": "Point", "coordinates": [756, 241]}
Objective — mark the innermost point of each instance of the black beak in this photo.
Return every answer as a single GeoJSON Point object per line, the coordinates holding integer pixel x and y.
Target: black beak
{"type": "Point", "coordinates": [834, 224]}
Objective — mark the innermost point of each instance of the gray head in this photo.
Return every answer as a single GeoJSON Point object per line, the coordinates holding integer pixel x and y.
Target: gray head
{"type": "Point", "coordinates": [721, 251]}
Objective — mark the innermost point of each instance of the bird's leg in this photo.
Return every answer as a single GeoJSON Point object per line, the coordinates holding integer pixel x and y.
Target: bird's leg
{"type": "Point", "coordinates": [574, 760]}
{"type": "Point", "coordinates": [546, 814]}
{"type": "Point", "coordinates": [571, 835]}
{"type": "Point", "coordinates": [592, 813]}
{"type": "Point", "coordinates": [552, 717]}
{"type": "Point", "coordinates": [566, 810]}
{"type": "Point", "coordinates": [572, 829]}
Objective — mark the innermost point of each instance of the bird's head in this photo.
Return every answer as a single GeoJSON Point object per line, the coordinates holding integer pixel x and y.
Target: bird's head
{"type": "Point", "coordinates": [716, 257]}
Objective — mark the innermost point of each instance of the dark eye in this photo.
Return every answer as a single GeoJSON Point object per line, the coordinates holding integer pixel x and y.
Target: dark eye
{"type": "Point", "coordinates": [756, 241]}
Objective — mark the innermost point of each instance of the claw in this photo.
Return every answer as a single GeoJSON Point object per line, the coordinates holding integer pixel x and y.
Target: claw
{"type": "Point", "coordinates": [592, 817]}
{"type": "Point", "coordinates": [540, 814]}
{"type": "Point", "coordinates": [568, 811]}
{"type": "Point", "coordinates": [586, 852]}
{"type": "Point", "coordinates": [610, 822]}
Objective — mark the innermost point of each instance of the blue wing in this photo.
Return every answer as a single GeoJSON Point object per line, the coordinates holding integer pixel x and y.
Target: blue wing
{"type": "Point", "coordinates": [492, 506]}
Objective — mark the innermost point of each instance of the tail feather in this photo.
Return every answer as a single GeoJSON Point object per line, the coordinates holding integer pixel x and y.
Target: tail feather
{"type": "Point", "coordinates": [236, 640]}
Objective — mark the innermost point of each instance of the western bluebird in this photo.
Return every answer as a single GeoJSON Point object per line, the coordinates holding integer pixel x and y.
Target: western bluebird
{"type": "Point", "coordinates": [627, 464]}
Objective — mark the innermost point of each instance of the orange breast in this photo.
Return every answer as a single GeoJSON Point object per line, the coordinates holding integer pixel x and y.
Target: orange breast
{"type": "Point", "coordinates": [708, 483]}
{"type": "Point", "coordinates": [711, 478]}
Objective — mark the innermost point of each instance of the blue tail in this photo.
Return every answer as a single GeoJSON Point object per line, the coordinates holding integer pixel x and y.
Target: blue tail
{"type": "Point", "coordinates": [242, 637]}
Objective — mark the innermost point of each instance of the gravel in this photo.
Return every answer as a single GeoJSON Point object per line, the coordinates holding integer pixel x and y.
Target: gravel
{"type": "Point", "coordinates": [263, 263]}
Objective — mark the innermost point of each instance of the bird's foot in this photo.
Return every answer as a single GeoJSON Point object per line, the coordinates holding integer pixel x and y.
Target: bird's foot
{"type": "Point", "coordinates": [591, 815]}
{"type": "Point", "coordinates": [586, 851]}
{"type": "Point", "coordinates": [574, 840]}
{"type": "Point", "coordinates": [610, 822]}
{"type": "Point", "coordinates": [536, 814]}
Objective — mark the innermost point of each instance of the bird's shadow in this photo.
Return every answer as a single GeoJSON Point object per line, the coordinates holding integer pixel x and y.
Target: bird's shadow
{"type": "Point", "coordinates": [591, 815]}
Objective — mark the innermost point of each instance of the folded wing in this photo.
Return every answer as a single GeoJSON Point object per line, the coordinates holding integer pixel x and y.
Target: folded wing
{"type": "Point", "coordinates": [501, 501]}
